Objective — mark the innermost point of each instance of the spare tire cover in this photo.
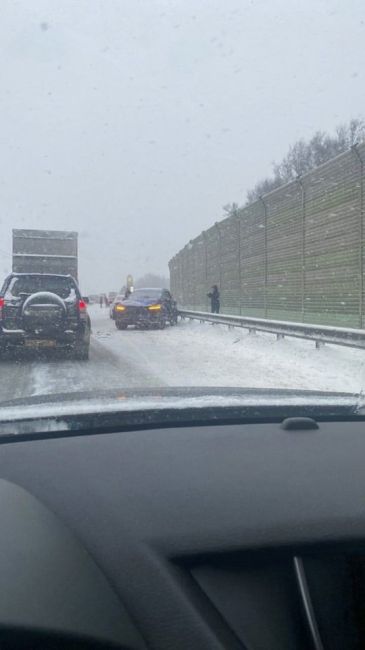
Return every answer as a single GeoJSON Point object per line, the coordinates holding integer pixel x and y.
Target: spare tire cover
{"type": "Point", "coordinates": [43, 310]}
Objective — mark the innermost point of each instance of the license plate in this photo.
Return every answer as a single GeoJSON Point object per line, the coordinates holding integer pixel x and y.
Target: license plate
{"type": "Point", "coordinates": [39, 343]}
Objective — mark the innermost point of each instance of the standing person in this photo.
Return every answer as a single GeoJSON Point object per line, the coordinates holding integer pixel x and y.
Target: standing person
{"type": "Point", "coordinates": [101, 300]}
{"type": "Point", "coordinates": [214, 299]}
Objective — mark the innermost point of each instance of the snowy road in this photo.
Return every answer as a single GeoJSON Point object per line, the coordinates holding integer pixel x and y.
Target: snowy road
{"type": "Point", "coordinates": [191, 354]}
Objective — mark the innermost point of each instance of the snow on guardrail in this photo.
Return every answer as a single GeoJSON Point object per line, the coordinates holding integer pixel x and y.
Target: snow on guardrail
{"type": "Point", "coordinates": [320, 334]}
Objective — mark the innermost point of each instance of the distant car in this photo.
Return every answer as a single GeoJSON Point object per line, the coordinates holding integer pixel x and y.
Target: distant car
{"type": "Point", "coordinates": [118, 298]}
{"type": "Point", "coordinates": [44, 311]}
{"type": "Point", "coordinates": [146, 308]}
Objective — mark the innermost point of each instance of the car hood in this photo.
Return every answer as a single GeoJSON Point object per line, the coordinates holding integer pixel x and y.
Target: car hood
{"type": "Point", "coordinates": [114, 410]}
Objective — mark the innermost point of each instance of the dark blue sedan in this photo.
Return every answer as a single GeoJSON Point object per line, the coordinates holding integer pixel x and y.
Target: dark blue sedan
{"type": "Point", "coordinates": [146, 308]}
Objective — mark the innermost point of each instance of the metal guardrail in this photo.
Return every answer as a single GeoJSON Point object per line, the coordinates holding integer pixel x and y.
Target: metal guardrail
{"type": "Point", "coordinates": [320, 334]}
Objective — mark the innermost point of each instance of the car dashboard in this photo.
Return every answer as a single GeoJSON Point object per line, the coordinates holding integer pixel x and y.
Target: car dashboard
{"type": "Point", "coordinates": [243, 536]}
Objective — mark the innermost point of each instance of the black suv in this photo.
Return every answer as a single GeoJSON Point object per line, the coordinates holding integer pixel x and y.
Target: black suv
{"type": "Point", "coordinates": [44, 311]}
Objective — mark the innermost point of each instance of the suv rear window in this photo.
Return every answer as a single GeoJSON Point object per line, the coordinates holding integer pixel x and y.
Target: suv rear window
{"type": "Point", "coordinates": [27, 285]}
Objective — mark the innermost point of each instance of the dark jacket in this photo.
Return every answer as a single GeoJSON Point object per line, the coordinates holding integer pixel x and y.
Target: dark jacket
{"type": "Point", "coordinates": [214, 299]}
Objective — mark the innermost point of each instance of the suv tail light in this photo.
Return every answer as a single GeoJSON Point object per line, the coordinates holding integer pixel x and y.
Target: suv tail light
{"type": "Point", "coordinates": [2, 303]}
{"type": "Point", "coordinates": [82, 309]}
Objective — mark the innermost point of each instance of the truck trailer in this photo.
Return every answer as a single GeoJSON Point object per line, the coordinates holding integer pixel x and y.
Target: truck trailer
{"type": "Point", "coordinates": [45, 251]}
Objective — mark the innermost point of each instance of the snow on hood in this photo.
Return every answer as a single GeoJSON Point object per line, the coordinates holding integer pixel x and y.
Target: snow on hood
{"type": "Point", "coordinates": [99, 402]}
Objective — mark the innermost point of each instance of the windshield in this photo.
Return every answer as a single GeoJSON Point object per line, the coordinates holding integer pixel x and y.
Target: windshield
{"type": "Point", "coordinates": [187, 178]}
{"type": "Point", "coordinates": [145, 294]}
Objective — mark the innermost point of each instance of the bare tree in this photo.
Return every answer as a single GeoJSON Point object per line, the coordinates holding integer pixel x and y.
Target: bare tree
{"type": "Point", "coordinates": [231, 209]}
{"type": "Point", "coordinates": [152, 280]}
{"type": "Point", "coordinates": [305, 155]}
{"type": "Point", "coordinates": [263, 187]}
{"type": "Point", "coordinates": [350, 134]}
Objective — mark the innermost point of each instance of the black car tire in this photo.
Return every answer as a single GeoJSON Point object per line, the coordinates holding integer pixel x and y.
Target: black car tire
{"type": "Point", "coordinates": [120, 326]}
{"type": "Point", "coordinates": [81, 353]}
{"type": "Point", "coordinates": [162, 324]}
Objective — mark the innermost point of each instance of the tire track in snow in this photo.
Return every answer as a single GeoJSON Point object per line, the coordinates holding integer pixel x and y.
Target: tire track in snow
{"type": "Point", "coordinates": [104, 370]}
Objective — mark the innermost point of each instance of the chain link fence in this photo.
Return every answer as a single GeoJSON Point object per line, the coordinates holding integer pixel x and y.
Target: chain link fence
{"type": "Point", "coordinates": [297, 253]}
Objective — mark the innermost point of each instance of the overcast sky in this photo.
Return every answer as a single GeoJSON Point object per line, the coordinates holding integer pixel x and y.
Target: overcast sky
{"type": "Point", "coordinates": [135, 121]}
